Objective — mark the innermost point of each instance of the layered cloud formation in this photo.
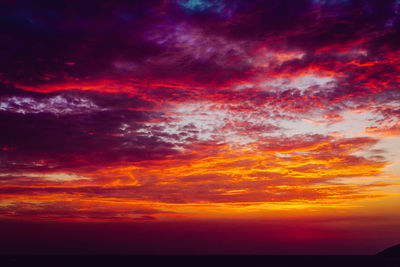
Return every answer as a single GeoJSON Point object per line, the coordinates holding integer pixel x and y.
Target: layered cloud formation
{"type": "Point", "coordinates": [169, 109]}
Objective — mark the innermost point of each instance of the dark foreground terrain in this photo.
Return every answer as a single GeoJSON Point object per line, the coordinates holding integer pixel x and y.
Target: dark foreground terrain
{"type": "Point", "coordinates": [148, 260]}
{"type": "Point", "coordinates": [389, 257]}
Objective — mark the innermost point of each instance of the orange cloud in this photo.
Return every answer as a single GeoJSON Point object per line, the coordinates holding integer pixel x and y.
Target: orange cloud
{"type": "Point", "coordinates": [298, 172]}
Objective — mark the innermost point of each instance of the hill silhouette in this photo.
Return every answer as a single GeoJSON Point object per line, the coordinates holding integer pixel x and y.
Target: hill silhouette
{"type": "Point", "coordinates": [391, 252]}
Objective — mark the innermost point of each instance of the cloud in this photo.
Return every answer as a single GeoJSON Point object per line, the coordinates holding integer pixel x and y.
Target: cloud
{"type": "Point", "coordinates": [279, 171]}
{"type": "Point", "coordinates": [70, 141]}
{"type": "Point", "coordinates": [78, 211]}
{"type": "Point", "coordinates": [55, 105]}
{"type": "Point", "coordinates": [224, 102]}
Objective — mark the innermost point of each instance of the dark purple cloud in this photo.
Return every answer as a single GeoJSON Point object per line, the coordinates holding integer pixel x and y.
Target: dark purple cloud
{"type": "Point", "coordinates": [85, 140]}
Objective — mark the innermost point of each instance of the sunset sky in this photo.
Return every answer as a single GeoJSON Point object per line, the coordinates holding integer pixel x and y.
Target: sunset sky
{"type": "Point", "coordinates": [200, 126]}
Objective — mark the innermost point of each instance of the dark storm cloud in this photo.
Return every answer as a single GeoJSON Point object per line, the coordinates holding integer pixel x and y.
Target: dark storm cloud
{"type": "Point", "coordinates": [201, 43]}
{"type": "Point", "coordinates": [47, 42]}
{"type": "Point", "coordinates": [69, 141]}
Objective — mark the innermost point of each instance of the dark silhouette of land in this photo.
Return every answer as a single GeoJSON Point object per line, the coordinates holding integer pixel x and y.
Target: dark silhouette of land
{"type": "Point", "coordinates": [196, 260]}
{"type": "Point", "coordinates": [392, 252]}
{"type": "Point", "coordinates": [389, 257]}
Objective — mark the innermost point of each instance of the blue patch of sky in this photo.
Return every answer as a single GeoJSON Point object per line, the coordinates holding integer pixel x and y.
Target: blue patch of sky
{"type": "Point", "coordinates": [196, 5]}
{"type": "Point", "coordinates": [199, 6]}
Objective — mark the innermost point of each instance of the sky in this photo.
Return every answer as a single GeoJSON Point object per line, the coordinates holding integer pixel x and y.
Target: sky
{"type": "Point", "coordinates": [200, 126]}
